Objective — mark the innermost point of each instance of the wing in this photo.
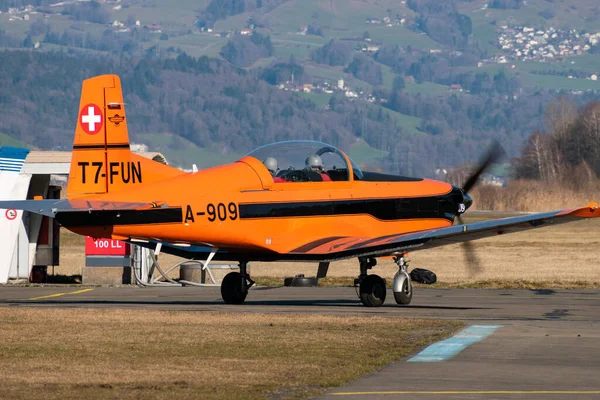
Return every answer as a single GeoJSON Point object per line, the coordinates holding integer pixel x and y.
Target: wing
{"type": "Point", "coordinates": [336, 248]}
{"type": "Point", "coordinates": [98, 212]}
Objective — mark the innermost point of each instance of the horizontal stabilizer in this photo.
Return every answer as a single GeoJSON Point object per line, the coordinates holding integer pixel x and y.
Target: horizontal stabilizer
{"type": "Point", "coordinates": [52, 207]}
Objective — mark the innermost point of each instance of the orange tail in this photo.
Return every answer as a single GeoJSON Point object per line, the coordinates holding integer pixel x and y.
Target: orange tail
{"type": "Point", "coordinates": [102, 161]}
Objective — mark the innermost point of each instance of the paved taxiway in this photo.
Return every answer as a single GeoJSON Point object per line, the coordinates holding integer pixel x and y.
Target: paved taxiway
{"type": "Point", "coordinates": [548, 346]}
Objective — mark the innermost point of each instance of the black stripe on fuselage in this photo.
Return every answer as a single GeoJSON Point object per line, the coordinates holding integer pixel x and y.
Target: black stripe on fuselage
{"type": "Point", "coordinates": [101, 146]}
{"type": "Point", "coordinates": [390, 209]}
{"type": "Point", "coordinates": [120, 217]}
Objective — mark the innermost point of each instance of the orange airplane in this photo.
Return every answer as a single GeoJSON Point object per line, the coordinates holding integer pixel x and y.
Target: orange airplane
{"type": "Point", "coordinates": [288, 201]}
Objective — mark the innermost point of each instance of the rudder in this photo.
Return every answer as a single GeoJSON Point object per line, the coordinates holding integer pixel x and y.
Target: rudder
{"type": "Point", "coordinates": [102, 160]}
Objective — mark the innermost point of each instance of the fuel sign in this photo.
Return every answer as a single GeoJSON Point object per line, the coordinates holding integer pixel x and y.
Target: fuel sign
{"type": "Point", "coordinates": [106, 247]}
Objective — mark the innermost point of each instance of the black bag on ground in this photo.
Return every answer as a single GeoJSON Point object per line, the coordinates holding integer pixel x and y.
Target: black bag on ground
{"type": "Point", "coordinates": [421, 275]}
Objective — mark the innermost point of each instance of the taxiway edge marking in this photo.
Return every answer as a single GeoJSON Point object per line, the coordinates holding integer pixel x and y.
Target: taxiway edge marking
{"type": "Point", "coordinates": [446, 349]}
{"type": "Point", "coordinates": [61, 294]}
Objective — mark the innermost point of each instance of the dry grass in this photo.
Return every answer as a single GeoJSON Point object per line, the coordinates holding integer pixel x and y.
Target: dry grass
{"type": "Point", "coordinates": [88, 353]}
{"type": "Point", "coordinates": [535, 196]}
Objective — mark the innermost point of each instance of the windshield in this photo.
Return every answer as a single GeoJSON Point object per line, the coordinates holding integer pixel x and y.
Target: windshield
{"type": "Point", "coordinates": [299, 155]}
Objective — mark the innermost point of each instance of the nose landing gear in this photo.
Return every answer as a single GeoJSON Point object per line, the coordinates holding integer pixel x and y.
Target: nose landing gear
{"type": "Point", "coordinates": [402, 286]}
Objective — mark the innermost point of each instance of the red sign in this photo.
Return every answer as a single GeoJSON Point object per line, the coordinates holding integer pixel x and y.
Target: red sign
{"type": "Point", "coordinates": [91, 119]}
{"type": "Point", "coordinates": [11, 214]}
{"type": "Point", "coordinates": [106, 247]}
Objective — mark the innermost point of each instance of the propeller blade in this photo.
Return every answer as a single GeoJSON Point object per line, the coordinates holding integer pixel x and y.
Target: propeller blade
{"type": "Point", "coordinates": [474, 266]}
{"type": "Point", "coordinates": [494, 154]}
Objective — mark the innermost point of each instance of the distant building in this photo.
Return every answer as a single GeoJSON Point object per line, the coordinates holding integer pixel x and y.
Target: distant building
{"type": "Point", "coordinates": [303, 30]}
{"type": "Point", "coordinates": [246, 32]}
{"type": "Point", "coordinates": [371, 48]}
{"type": "Point", "coordinates": [456, 88]}
{"type": "Point", "coordinates": [139, 147]}
{"type": "Point", "coordinates": [594, 77]}
{"type": "Point", "coordinates": [340, 84]}
{"type": "Point", "coordinates": [153, 28]}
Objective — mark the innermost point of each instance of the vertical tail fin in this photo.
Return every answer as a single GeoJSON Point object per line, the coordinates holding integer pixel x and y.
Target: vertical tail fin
{"type": "Point", "coordinates": [102, 160]}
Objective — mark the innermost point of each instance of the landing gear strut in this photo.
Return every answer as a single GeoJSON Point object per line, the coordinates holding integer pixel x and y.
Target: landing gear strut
{"type": "Point", "coordinates": [235, 285]}
{"type": "Point", "coordinates": [371, 287]}
{"type": "Point", "coordinates": [402, 286]}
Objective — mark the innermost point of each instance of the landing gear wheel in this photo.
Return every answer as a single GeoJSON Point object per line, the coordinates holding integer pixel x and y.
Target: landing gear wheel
{"type": "Point", "coordinates": [404, 296]}
{"type": "Point", "coordinates": [233, 288]}
{"type": "Point", "coordinates": [372, 291]}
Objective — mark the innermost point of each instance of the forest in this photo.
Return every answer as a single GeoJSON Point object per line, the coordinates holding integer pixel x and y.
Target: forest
{"type": "Point", "coordinates": [217, 106]}
{"type": "Point", "coordinates": [415, 109]}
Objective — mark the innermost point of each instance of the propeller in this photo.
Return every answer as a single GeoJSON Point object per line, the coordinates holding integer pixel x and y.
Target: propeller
{"type": "Point", "coordinates": [494, 154]}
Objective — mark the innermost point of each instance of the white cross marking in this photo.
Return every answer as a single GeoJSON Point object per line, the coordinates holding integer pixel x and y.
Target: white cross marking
{"type": "Point", "coordinates": [91, 119]}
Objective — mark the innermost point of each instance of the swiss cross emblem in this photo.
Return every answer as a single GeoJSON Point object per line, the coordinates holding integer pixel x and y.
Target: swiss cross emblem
{"type": "Point", "coordinates": [91, 119]}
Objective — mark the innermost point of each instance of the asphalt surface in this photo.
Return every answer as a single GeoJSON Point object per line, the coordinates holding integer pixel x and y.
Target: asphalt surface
{"type": "Point", "coordinates": [548, 345]}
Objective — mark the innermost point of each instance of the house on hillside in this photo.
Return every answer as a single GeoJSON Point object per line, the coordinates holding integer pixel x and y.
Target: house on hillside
{"type": "Point", "coordinates": [246, 32]}
{"type": "Point", "coordinates": [153, 28]}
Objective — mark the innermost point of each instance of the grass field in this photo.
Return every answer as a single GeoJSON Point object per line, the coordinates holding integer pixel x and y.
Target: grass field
{"type": "Point", "coordinates": [559, 83]}
{"type": "Point", "coordinates": [6, 140]}
{"type": "Point", "coordinates": [182, 153]}
{"type": "Point", "coordinates": [125, 354]}
{"type": "Point", "coordinates": [363, 154]}
{"type": "Point", "coordinates": [320, 99]}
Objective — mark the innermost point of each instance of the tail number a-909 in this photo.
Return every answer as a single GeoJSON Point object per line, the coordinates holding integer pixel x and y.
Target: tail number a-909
{"type": "Point", "coordinates": [221, 212]}
{"type": "Point", "coordinates": [218, 211]}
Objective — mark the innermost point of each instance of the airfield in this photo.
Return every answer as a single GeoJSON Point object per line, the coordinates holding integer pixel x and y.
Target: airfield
{"type": "Point", "coordinates": [545, 343]}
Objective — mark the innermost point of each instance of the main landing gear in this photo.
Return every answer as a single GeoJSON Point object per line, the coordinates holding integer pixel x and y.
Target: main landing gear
{"type": "Point", "coordinates": [371, 288]}
{"type": "Point", "coordinates": [235, 285]}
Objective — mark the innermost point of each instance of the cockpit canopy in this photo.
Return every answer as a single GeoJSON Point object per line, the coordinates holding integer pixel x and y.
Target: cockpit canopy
{"type": "Point", "coordinates": [292, 156]}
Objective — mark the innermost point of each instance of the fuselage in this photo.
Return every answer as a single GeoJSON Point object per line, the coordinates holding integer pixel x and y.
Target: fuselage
{"type": "Point", "coordinates": [239, 207]}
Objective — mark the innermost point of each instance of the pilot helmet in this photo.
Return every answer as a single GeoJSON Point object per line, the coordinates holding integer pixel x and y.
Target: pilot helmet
{"type": "Point", "coordinates": [314, 161]}
{"type": "Point", "coordinates": [271, 164]}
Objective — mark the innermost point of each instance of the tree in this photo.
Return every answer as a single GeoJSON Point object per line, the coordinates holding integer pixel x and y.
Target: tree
{"type": "Point", "coordinates": [333, 53]}
{"type": "Point", "coordinates": [506, 4]}
{"type": "Point", "coordinates": [398, 83]}
{"type": "Point", "coordinates": [366, 69]}
{"type": "Point", "coordinates": [28, 42]}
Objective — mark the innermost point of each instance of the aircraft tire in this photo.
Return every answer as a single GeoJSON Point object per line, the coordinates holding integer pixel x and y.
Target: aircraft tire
{"type": "Point", "coordinates": [372, 291]}
{"type": "Point", "coordinates": [231, 289]}
{"type": "Point", "coordinates": [404, 297]}
{"type": "Point", "coordinates": [301, 281]}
